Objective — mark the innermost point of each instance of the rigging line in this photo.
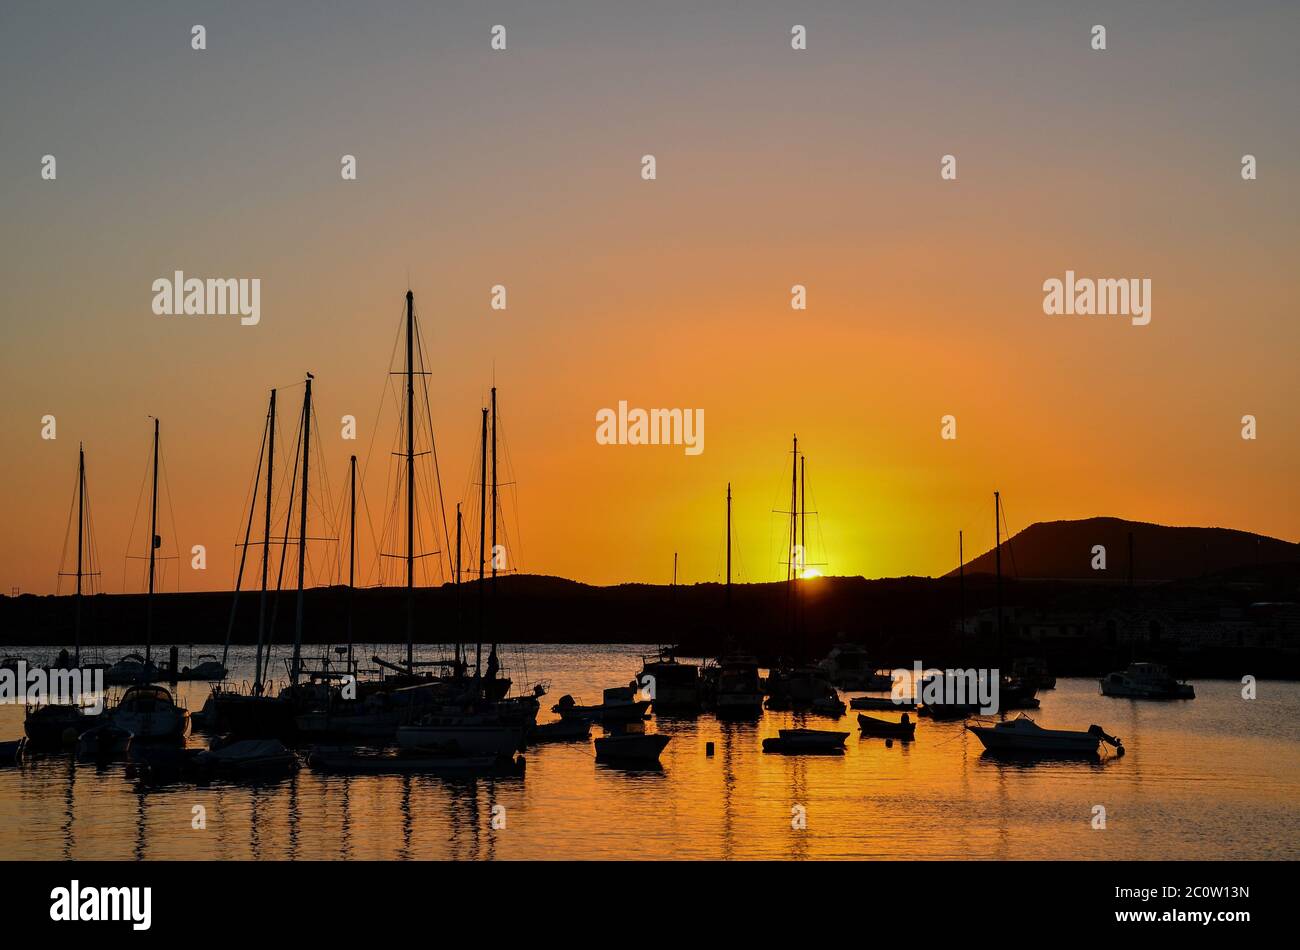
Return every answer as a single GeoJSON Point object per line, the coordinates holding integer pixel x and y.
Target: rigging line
{"type": "Point", "coordinates": [136, 517]}
{"type": "Point", "coordinates": [433, 442]}
{"type": "Point", "coordinates": [67, 533]}
{"type": "Point", "coordinates": [250, 499]}
{"type": "Point", "coordinates": [167, 487]}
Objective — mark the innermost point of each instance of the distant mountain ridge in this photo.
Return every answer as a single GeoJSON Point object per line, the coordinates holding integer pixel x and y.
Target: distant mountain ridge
{"type": "Point", "coordinates": [1064, 550]}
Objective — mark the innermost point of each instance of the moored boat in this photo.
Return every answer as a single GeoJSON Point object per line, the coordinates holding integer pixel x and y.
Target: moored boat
{"type": "Point", "coordinates": [57, 724]}
{"type": "Point", "coordinates": [1146, 681]}
{"type": "Point", "coordinates": [673, 686]}
{"type": "Point", "coordinates": [739, 691]}
{"type": "Point", "coordinates": [150, 712]}
{"type": "Point", "coordinates": [847, 666]}
{"type": "Point", "coordinates": [620, 705]}
{"type": "Point", "coordinates": [806, 742]}
{"type": "Point", "coordinates": [631, 743]}
{"type": "Point", "coordinates": [884, 728]}
{"type": "Point", "coordinates": [1023, 736]}
{"type": "Point", "coordinates": [353, 761]}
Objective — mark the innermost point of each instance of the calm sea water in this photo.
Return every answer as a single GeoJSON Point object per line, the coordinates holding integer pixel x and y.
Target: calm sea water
{"type": "Point", "coordinates": [1216, 777]}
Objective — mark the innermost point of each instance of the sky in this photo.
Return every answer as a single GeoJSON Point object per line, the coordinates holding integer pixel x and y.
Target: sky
{"type": "Point", "coordinates": [774, 167]}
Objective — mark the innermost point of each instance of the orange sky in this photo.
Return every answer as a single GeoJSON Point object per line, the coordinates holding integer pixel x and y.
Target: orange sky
{"type": "Point", "coordinates": [924, 296]}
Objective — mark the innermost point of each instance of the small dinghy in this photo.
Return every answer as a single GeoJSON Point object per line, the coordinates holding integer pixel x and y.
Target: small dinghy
{"type": "Point", "coordinates": [904, 729]}
{"type": "Point", "coordinates": [881, 703]}
{"type": "Point", "coordinates": [228, 756]}
{"type": "Point", "coordinates": [103, 742]}
{"type": "Point", "coordinates": [1023, 736]}
{"type": "Point", "coordinates": [630, 743]}
{"type": "Point", "coordinates": [346, 760]}
{"type": "Point", "coordinates": [806, 742]}
{"type": "Point", "coordinates": [561, 730]}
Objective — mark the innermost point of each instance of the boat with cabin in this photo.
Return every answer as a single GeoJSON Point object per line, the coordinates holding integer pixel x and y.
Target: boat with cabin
{"type": "Point", "coordinates": [1023, 736]}
{"type": "Point", "coordinates": [1146, 681]}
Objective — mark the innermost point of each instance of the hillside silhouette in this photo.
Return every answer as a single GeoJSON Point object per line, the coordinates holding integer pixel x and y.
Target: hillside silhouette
{"type": "Point", "coordinates": [1064, 550]}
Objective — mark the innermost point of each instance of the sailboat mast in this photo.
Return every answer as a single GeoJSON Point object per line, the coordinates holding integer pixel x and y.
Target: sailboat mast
{"type": "Point", "coordinates": [266, 546]}
{"type": "Point", "coordinates": [794, 536]}
{"type": "Point", "coordinates": [153, 546]}
{"type": "Point", "coordinates": [482, 516]}
{"type": "Point", "coordinates": [352, 553]}
{"type": "Point", "coordinates": [459, 623]}
{"type": "Point", "coordinates": [997, 557]}
{"type": "Point", "coordinates": [803, 517]}
{"type": "Point", "coordinates": [410, 481]}
{"type": "Point", "coordinates": [81, 509]}
{"type": "Point", "coordinates": [302, 531]}
{"type": "Point", "coordinates": [495, 504]}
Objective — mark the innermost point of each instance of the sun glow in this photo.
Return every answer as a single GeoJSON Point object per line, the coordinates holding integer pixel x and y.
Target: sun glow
{"type": "Point", "coordinates": [810, 573]}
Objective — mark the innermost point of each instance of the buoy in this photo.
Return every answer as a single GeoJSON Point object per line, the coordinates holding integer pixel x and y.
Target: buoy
{"type": "Point", "coordinates": [889, 743]}
{"type": "Point", "coordinates": [708, 748]}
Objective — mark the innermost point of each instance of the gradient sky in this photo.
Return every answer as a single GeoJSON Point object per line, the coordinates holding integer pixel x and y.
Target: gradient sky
{"type": "Point", "coordinates": [775, 167]}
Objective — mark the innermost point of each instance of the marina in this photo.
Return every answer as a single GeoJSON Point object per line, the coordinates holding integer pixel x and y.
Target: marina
{"type": "Point", "coordinates": [1213, 778]}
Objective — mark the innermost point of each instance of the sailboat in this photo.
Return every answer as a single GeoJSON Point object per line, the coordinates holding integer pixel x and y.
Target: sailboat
{"type": "Point", "coordinates": [738, 690]}
{"type": "Point", "coordinates": [255, 714]}
{"type": "Point", "coordinates": [54, 724]}
{"type": "Point", "coordinates": [478, 722]}
{"type": "Point", "coordinates": [146, 711]}
{"type": "Point", "coordinates": [799, 686]}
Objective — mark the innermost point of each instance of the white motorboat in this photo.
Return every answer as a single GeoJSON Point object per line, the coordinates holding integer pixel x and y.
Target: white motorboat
{"type": "Point", "coordinates": [1023, 736]}
{"type": "Point", "coordinates": [150, 712]}
{"type": "Point", "coordinates": [467, 734]}
{"type": "Point", "coordinates": [1145, 681]}
{"type": "Point", "coordinates": [247, 756]}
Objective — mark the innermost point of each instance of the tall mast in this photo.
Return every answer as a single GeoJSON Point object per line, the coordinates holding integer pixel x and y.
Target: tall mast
{"type": "Point", "coordinates": [803, 516]}
{"type": "Point", "coordinates": [352, 553]}
{"type": "Point", "coordinates": [482, 516]}
{"type": "Point", "coordinates": [81, 508]}
{"type": "Point", "coordinates": [495, 503]}
{"type": "Point", "coordinates": [266, 546]}
{"type": "Point", "coordinates": [793, 537]}
{"type": "Point", "coordinates": [459, 623]}
{"type": "Point", "coordinates": [674, 569]}
{"type": "Point", "coordinates": [410, 481]}
{"type": "Point", "coordinates": [997, 549]}
{"type": "Point", "coordinates": [153, 546]}
{"type": "Point", "coordinates": [302, 530]}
